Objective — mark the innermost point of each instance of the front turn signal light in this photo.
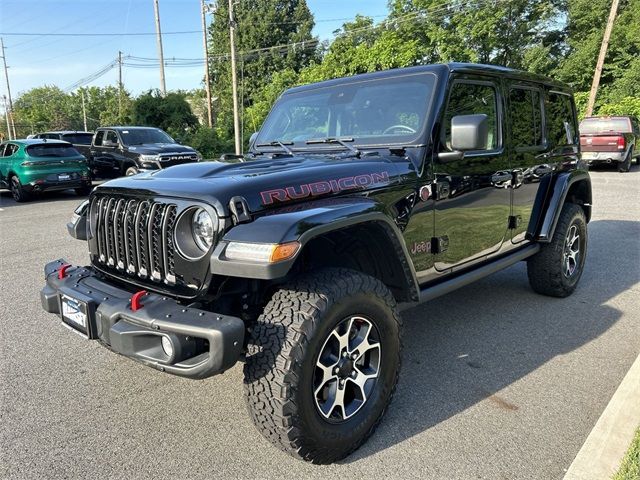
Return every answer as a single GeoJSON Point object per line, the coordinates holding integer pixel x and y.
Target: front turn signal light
{"type": "Point", "coordinates": [261, 252]}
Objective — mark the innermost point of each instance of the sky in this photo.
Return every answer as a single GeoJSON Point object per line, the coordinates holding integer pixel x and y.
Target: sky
{"type": "Point", "coordinates": [36, 60]}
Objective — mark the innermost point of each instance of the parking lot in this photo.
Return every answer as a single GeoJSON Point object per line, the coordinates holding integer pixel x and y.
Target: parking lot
{"type": "Point", "coordinates": [497, 382]}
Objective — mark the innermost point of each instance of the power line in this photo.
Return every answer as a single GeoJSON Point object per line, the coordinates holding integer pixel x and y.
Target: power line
{"type": "Point", "coordinates": [102, 34]}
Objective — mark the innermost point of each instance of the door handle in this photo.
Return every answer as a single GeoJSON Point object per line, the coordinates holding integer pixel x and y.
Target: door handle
{"type": "Point", "coordinates": [500, 177]}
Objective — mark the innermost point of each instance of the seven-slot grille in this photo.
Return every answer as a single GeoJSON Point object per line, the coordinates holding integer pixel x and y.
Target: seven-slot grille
{"type": "Point", "coordinates": [136, 237]}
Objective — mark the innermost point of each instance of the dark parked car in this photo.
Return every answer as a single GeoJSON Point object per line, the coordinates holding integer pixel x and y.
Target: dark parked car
{"type": "Point", "coordinates": [80, 140]}
{"type": "Point", "coordinates": [130, 150]}
{"type": "Point", "coordinates": [358, 194]}
{"type": "Point", "coordinates": [610, 140]}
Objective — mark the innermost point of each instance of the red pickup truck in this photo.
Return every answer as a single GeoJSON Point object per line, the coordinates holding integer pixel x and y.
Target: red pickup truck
{"type": "Point", "coordinates": [610, 140]}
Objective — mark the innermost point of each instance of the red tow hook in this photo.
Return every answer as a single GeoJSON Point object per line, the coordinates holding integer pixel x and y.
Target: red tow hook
{"type": "Point", "coordinates": [62, 271]}
{"type": "Point", "coordinates": [136, 300]}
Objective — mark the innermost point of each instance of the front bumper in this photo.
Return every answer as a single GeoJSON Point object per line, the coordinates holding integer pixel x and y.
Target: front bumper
{"type": "Point", "coordinates": [204, 343]}
{"type": "Point", "coordinates": [593, 158]}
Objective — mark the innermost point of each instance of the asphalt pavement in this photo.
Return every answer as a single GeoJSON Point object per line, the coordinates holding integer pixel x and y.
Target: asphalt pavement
{"type": "Point", "coordinates": [497, 381]}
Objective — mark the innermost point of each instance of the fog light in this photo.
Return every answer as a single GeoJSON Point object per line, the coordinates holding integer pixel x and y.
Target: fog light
{"type": "Point", "coordinates": [167, 346]}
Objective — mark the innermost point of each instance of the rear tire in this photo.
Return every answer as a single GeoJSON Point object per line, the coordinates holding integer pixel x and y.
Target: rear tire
{"type": "Point", "coordinates": [625, 166]}
{"type": "Point", "coordinates": [306, 359]}
{"type": "Point", "coordinates": [556, 269]}
{"type": "Point", "coordinates": [17, 190]}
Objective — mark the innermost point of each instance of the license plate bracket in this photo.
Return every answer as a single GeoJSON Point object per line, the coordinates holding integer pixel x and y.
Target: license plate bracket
{"type": "Point", "coordinates": [78, 312]}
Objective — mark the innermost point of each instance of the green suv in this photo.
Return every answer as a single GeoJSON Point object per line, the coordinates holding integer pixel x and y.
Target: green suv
{"type": "Point", "coordinates": [33, 166]}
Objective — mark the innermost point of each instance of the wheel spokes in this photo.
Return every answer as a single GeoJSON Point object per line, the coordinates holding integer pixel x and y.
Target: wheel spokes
{"type": "Point", "coordinates": [346, 368]}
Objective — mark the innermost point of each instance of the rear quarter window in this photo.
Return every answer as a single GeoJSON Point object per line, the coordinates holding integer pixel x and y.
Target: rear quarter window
{"type": "Point", "coordinates": [49, 150]}
{"type": "Point", "coordinates": [561, 123]}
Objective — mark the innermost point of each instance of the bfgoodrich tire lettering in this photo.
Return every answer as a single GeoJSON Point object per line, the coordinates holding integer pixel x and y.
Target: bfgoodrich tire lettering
{"type": "Point", "coordinates": [556, 269]}
{"type": "Point", "coordinates": [282, 355]}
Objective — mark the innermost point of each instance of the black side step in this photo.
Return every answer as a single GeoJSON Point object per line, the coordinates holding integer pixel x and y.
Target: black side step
{"type": "Point", "coordinates": [439, 289]}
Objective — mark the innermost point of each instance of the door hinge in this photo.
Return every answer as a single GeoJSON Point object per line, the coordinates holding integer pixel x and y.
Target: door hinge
{"type": "Point", "coordinates": [514, 221]}
{"type": "Point", "coordinates": [439, 244]}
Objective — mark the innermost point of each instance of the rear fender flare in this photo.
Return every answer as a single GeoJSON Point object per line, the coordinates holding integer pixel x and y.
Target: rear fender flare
{"type": "Point", "coordinates": [549, 202]}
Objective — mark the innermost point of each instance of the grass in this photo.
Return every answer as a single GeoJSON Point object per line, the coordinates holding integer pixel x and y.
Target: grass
{"type": "Point", "coordinates": [630, 468]}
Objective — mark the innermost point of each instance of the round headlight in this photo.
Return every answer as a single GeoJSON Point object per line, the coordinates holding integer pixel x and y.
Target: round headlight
{"type": "Point", "coordinates": [202, 228]}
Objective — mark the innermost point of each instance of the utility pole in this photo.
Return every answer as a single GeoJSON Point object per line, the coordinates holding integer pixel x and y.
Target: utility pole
{"type": "Point", "coordinates": [163, 86]}
{"type": "Point", "coordinates": [207, 82]}
{"type": "Point", "coordinates": [6, 117]}
{"type": "Point", "coordinates": [603, 53]}
{"type": "Point", "coordinates": [119, 87]}
{"type": "Point", "coordinates": [84, 112]}
{"type": "Point", "coordinates": [8, 113]}
{"type": "Point", "coordinates": [234, 79]}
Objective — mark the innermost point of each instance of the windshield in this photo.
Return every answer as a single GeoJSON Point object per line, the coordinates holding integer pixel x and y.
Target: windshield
{"type": "Point", "coordinates": [78, 138]}
{"type": "Point", "coordinates": [139, 136]}
{"type": "Point", "coordinates": [369, 112]}
{"type": "Point", "coordinates": [52, 150]}
{"type": "Point", "coordinates": [591, 126]}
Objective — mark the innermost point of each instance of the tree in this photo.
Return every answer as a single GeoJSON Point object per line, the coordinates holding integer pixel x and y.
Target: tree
{"type": "Point", "coordinates": [44, 108]}
{"type": "Point", "coordinates": [171, 112]}
{"type": "Point", "coordinates": [262, 24]}
{"type": "Point", "coordinates": [586, 20]}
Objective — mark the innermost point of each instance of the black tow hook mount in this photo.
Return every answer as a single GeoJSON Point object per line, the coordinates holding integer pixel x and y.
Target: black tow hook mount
{"type": "Point", "coordinates": [240, 210]}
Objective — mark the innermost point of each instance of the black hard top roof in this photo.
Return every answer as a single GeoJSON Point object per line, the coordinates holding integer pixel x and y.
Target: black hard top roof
{"type": "Point", "coordinates": [443, 69]}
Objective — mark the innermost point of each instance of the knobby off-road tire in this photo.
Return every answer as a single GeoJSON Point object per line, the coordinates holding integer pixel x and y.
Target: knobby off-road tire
{"type": "Point", "coordinates": [556, 269]}
{"type": "Point", "coordinates": [297, 345]}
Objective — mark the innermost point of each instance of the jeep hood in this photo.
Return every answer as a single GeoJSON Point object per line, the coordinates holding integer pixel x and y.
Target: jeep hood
{"type": "Point", "coordinates": [264, 183]}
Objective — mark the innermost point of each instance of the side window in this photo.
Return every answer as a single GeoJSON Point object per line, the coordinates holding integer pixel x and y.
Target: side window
{"type": "Point", "coordinates": [561, 125]}
{"type": "Point", "coordinates": [10, 149]}
{"type": "Point", "coordinates": [525, 115]}
{"type": "Point", "coordinates": [111, 136]}
{"type": "Point", "coordinates": [3, 149]}
{"type": "Point", "coordinates": [470, 99]}
{"type": "Point", "coordinates": [99, 137]}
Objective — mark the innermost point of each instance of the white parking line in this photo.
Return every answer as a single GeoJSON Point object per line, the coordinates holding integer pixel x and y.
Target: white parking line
{"type": "Point", "coordinates": [602, 452]}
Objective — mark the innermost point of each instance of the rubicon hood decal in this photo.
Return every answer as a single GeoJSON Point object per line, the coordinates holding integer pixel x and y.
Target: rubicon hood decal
{"type": "Point", "coordinates": [323, 187]}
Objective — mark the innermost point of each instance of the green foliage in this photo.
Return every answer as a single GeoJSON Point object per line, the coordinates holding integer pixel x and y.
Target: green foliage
{"type": "Point", "coordinates": [264, 24]}
{"type": "Point", "coordinates": [630, 467]}
{"type": "Point", "coordinates": [171, 112]}
{"type": "Point", "coordinates": [49, 108]}
{"type": "Point", "coordinates": [205, 141]}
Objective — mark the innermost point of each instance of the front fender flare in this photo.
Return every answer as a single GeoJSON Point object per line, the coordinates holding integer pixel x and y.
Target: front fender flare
{"type": "Point", "coordinates": [303, 224]}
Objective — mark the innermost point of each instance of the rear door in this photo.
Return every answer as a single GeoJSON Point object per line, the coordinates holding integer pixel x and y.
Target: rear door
{"type": "Point", "coordinates": [472, 195]}
{"type": "Point", "coordinates": [528, 148]}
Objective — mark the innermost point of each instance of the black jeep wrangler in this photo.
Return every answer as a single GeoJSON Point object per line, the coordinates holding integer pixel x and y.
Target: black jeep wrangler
{"type": "Point", "coordinates": [357, 195]}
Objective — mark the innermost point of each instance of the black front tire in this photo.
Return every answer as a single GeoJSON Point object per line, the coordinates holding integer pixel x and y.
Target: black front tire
{"type": "Point", "coordinates": [549, 270]}
{"type": "Point", "coordinates": [17, 190]}
{"type": "Point", "coordinates": [285, 349]}
{"type": "Point", "coordinates": [131, 171]}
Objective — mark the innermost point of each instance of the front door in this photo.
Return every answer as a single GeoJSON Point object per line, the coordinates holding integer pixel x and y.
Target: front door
{"type": "Point", "coordinates": [472, 194]}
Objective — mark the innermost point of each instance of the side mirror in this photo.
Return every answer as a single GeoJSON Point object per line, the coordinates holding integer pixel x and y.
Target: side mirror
{"type": "Point", "coordinates": [252, 138]}
{"type": "Point", "coordinates": [468, 132]}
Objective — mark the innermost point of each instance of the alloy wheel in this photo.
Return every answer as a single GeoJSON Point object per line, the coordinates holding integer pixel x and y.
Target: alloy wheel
{"type": "Point", "coordinates": [347, 369]}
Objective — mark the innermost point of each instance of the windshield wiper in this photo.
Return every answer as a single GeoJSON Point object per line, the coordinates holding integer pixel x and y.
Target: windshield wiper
{"type": "Point", "coordinates": [278, 143]}
{"type": "Point", "coordinates": [342, 141]}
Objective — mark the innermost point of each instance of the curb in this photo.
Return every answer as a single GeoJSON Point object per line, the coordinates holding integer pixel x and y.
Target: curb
{"type": "Point", "coordinates": [602, 452]}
